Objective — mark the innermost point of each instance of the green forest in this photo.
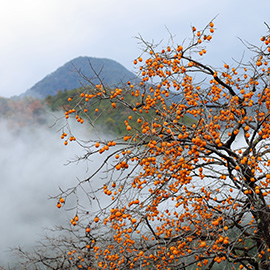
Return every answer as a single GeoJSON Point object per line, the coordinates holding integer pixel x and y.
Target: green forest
{"type": "Point", "coordinates": [27, 111]}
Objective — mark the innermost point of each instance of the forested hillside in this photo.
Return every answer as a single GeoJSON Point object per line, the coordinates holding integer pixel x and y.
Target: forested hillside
{"type": "Point", "coordinates": [51, 93]}
{"type": "Point", "coordinates": [104, 117]}
{"type": "Point", "coordinates": [22, 112]}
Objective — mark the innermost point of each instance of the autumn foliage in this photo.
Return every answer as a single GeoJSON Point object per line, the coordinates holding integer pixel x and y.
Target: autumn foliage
{"type": "Point", "coordinates": [22, 112]}
{"type": "Point", "coordinates": [172, 194]}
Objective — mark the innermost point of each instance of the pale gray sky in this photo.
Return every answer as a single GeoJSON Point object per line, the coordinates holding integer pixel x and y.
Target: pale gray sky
{"type": "Point", "coordinates": [38, 36]}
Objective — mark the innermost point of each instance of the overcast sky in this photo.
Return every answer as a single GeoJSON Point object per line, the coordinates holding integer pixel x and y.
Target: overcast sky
{"type": "Point", "coordinates": [38, 36]}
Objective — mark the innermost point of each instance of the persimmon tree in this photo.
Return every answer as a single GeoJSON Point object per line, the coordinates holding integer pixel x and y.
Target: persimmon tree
{"type": "Point", "coordinates": [187, 186]}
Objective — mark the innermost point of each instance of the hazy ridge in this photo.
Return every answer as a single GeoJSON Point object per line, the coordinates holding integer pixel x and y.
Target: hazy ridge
{"type": "Point", "coordinates": [72, 75]}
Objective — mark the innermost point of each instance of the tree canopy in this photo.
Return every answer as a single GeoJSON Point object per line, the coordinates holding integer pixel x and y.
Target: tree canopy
{"type": "Point", "coordinates": [171, 193]}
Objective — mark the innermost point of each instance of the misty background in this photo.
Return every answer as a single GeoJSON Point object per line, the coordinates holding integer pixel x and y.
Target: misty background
{"type": "Point", "coordinates": [39, 36]}
{"type": "Point", "coordinates": [32, 167]}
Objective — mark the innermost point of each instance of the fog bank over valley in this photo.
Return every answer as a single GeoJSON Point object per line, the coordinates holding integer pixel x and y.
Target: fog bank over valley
{"type": "Point", "coordinates": [32, 161]}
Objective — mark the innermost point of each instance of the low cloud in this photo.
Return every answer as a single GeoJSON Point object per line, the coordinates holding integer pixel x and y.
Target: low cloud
{"type": "Point", "coordinates": [33, 166]}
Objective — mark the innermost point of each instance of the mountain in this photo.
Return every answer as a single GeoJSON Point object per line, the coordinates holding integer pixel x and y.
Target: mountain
{"type": "Point", "coordinates": [70, 76]}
